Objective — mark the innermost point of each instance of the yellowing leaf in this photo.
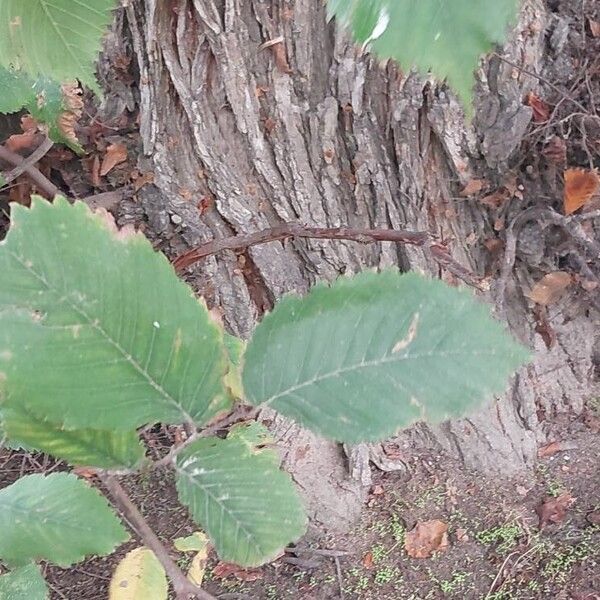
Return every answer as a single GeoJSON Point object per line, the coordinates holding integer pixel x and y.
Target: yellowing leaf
{"type": "Point", "coordinates": [139, 576]}
{"type": "Point", "coordinates": [194, 543]}
{"type": "Point", "coordinates": [198, 567]}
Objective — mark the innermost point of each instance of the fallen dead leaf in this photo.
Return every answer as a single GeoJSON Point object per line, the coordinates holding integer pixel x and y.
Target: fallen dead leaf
{"type": "Point", "coordinates": [115, 154]}
{"type": "Point", "coordinates": [550, 288]}
{"type": "Point", "coordinates": [225, 569]}
{"type": "Point", "coordinates": [426, 538]}
{"type": "Point", "coordinates": [549, 450]}
{"type": "Point", "coordinates": [462, 535]}
{"type": "Point", "coordinates": [377, 490]}
{"type": "Point", "coordinates": [22, 141]}
{"type": "Point", "coordinates": [594, 27]}
{"type": "Point", "coordinates": [85, 472]}
{"type": "Point", "coordinates": [580, 186]}
{"type": "Point", "coordinates": [496, 199]}
{"type": "Point", "coordinates": [367, 561]}
{"type": "Point", "coordinates": [142, 179]}
{"type": "Point", "coordinates": [541, 111]}
{"type": "Point", "coordinates": [474, 186]}
{"type": "Point", "coordinates": [554, 510]}
{"type": "Point", "coordinates": [556, 150]}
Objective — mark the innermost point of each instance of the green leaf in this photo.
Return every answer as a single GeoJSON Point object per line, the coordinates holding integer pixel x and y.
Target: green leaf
{"type": "Point", "coordinates": [15, 90]}
{"type": "Point", "coordinates": [24, 583]}
{"type": "Point", "coordinates": [192, 543]}
{"type": "Point", "coordinates": [46, 100]}
{"type": "Point", "coordinates": [139, 576]}
{"type": "Point", "coordinates": [240, 497]}
{"type": "Point", "coordinates": [57, 518]}
{"type": "Point", "coordinates": [446, 37]}
{"type": "Point", "coordinates": [86, 447]}
{"type": "Point", "coordinates": [60, 39]}
{"type": "Point", "coordinates": [369, 355]}
{"type": "Point", "coordinates": [97, 331]}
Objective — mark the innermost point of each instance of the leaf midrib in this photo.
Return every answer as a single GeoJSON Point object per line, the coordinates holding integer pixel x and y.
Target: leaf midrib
{"type": "Point", "coordinates": [363, 365]}
{"type": "Point", "coordinates": [249, 535]}
{"type": "Point", "coordinates": [90, 322]}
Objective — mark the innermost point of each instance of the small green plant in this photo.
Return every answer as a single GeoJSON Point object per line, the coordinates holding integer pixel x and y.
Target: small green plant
{"type": "Point", "coordinates": [504, 537]}
{"type": "Point", "coordinates": [397, 529]}
{"type": "Point", "coordinates": [455, 583]}
{"type": "Point", "coordinates": [386, 574]}
{"type": "Point", "coordinates": [378, 552]}
{"type": "Point", "coordinates": [562, 560]}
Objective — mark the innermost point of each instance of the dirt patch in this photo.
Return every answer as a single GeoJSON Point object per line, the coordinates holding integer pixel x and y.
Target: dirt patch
{"type": "Point", "coordinates": [496, 550]}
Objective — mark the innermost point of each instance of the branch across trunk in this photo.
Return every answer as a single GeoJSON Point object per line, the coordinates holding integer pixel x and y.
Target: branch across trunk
{"type": "Point", "coordinates": [312, 130]}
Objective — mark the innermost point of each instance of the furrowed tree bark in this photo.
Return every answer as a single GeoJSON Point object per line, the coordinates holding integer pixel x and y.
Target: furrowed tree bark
{"type": "Point", "coordinates": [255, 113]}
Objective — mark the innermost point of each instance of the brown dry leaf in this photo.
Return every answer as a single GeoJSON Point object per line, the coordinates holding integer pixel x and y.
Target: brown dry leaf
{"type": "Point", "coordinates": [496, 199]}
{"type": "Point", "coordinates": [377, 490]}
{"type": "Point", "coordinates": [594, 27]}
{"type": "Point", "coordinates": [367, 561]}
{"type": "Point", "coordinates": [426, 538]}
{"type": "Point", "coordinates": [541, 111]}
{"type": "Point", "coordinates": [580, 187]}
{"type": "Point", "coordinates": [142, 179]}
{"type": "Point", "coordinates": [474, 186]}
{"type": "Point", "coordinates": [22, 141]}
{"type": "Point", "coordinates": [115, 154]}
{"type": "Point", "coordinates": [73, 103]}
{"type": "Point", "coordinates": [550, 287]}
{"type": "Point", "coordinates": [556, 150]}
{"type": "Point", "coordinates": [85, 472]}
{"type": "Point", "coordinates": [462, 535]}
{"type": "Point", "coordinates": [554, 510]}
{"type": "Point", "coordinates": [225, 569]}
{"type": "Point", "coordinates": [549, 449]}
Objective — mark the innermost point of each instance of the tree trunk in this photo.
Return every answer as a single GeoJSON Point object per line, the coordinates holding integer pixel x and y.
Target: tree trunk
{"type": "Point", "coordinates": [256, 112]}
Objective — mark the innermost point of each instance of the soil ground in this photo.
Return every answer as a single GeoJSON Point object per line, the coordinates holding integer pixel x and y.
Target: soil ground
{"type": "Point", "coordinates": [497, 549]}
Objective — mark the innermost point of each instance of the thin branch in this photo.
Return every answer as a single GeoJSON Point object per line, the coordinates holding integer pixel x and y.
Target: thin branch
{"type": "Point", "coordinates": [27, 165]}
{"type": "Point", "coordinates": [364, 236]}
{"type": "Point", "coordinates": [184, 589]}
{"type": "Point", "coordinates": [242, 411]}
{"type": "Point", "coordinates": [546, 82]}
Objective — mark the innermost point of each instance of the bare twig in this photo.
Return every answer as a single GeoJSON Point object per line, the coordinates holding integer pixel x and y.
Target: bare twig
{"type": "Point", "coordinates": [364, 236]}
{"type": "Point", "coordinates": [317, 551]}
{"type": "Point", "coordinates": [184, 589]}
{"type": "Point", "coordinates": [27, 165]}
{"type": "Point", "coordinates": [544, 81]}
{"type": "Point", "coordinates": [242, 411]}
{"type": "Point", "coordinates": [338, 571]}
